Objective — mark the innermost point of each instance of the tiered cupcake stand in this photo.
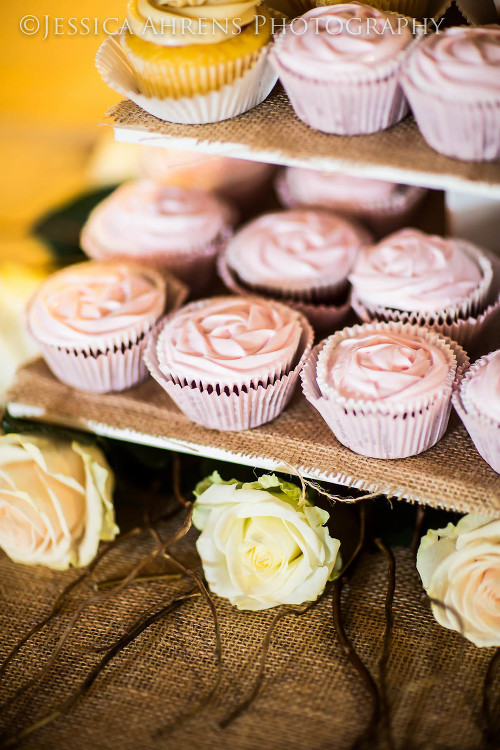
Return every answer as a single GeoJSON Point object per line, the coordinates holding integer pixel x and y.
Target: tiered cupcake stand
{"type": "Point", "coordinates": [451, 475]}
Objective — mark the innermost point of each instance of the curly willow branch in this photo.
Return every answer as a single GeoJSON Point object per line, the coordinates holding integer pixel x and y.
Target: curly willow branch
{"type": "Point", "coordinates": [94, 599]}
{"type": "Point", "coordinates": [142, 624]}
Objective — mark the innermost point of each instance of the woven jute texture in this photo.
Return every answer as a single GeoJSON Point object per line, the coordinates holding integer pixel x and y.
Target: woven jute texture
{"type": "Point", "coordinates": [450, 475]}
{"type": "Point", "coordinates": [274, 133]}
{"type": "Point", "coordinates": [311, 698]}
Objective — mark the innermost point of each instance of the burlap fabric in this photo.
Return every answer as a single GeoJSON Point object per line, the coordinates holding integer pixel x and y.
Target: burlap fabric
{"type": "Point", "coordinates": [274, 133]}
{"type": "Point", "coordinates": [450, 475]}
{"type": "Point", "coordinates": [311, 698]}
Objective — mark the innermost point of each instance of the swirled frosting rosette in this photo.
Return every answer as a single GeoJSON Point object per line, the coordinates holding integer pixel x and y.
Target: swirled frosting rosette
{"type": "Point", "coordinates": [340, 66]}
{"type": "Point", "coordinates": [422, 279]}
{"type": "Point", "coordinates": [230, 363]}
{"type": "Point", "coordinates": [384, 389]}
{"type": "Point", "coordinates": [92, 321]}
{"type": "Point", "coordinates": [452, 81]}
{"type": "Point", "coordinates": [382, 206]}
{"type": "Point", "coordinates": [169, 228]}
{"type": "Point", "coordinates": [300, 256]}
{"type": "Point", "coordinates": [477, 401]}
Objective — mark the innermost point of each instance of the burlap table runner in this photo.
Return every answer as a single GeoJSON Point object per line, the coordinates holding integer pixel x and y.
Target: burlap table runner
{"type": "Point", "coordinates": [310, 696]}
{"type": "Point", "coordinates": [450, 475]}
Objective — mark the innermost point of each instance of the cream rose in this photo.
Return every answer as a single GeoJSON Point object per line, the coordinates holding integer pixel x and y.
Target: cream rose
{"type": "Point", "coordinates": [262, 544]}
{"type": "Point", "coordinates": [55, 501]}
{"type": "Point", "coordinates": [460, 567]}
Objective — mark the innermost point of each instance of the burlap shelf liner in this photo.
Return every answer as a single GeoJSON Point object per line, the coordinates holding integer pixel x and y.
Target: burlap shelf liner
{"type": "Point", "coordinates": [450, 475]}
{"type": "Point", "coordinates": [273, 131]}
{"type": "Point", "coordinates": [311, 698]}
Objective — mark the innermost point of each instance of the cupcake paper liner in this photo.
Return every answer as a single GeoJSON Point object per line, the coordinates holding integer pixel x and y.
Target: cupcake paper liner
{"type": "Point", "coordinates": [349, 105]}
{"type": "Point", "coordinates": [229, 101]}
{"type": "Point", "coordinates": [465, 331]}
{"type": "Point", "coordinates": [321, 316]}
{"type": "Point", "coordinates": [380, 217]}
{"type": "Point", "coordinates": [483, 431]}
{"type": "Point", "coordinates": [239, 408]}
{"type": "Point", "coordinates": [460, 322]}
{"type": "Point", "coordinates": [117, 366]}
{"type": "Point", "coordinates": [195, 267]}
{"type": "Point", "coordinates": [462, 130]}
{"type": "Point", "coordinates": [386, 430]}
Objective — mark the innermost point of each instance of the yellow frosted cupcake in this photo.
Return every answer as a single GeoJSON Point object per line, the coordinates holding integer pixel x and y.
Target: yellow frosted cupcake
{"type": "Point", "coordinates": [186, 48]}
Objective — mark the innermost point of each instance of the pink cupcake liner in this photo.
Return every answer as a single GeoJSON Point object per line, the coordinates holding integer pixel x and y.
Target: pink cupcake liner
{"type": "Point", "coordinates": [116, 367]}
{"type": "Point", "coordinates": [381, 218]}
{"type": "Point", "coordinates": [239, 408]}
{"type": "Point", "coordinates": [483, 431]}
{"type": "Point", "coordinates": [460, 322]}
{"type": "Point", "coordinates": [112, 370]}
{"type": "Point", "coordinates": [386, 431]}
{"type": "Point", "coordinates": [461, 130]}
{"type": "Point", "coordinates": [349, 105]}
{"type": "Point", "coordinates": [465, 331]}
{"type": "Point", "coordinates": [195, 267]}
{"type": "Point", "coordinates": [322, 317]}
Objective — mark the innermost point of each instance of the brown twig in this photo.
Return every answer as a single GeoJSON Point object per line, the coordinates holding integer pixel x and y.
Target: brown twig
{"type": "Point", "coordinates": [491, 731]}
{"type": "Point", "coordinates": [94, 599]}
{"type": "Point", "coordinates": [111, 583]}
{"type": "Point", "coordinates": [176, 480]}
{"type": "Point", "coordinates": [264, 649]}
{"type": "Point", "coordinates": [59, 602]}
{"type": "Point", "coordinates": [384, 657]}
{"type": "Point", "coordinates": [417, 532]}
{"type": "Point", "coordinates": [356, 662]}
{"type": "Point", "coordinates": [200, 705]}
{"type": "Point", "coordinates": [137, 628]}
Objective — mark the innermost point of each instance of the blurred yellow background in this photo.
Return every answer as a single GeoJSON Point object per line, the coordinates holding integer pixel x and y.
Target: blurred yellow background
{"type": "Point", "coordinates": [52, 102]}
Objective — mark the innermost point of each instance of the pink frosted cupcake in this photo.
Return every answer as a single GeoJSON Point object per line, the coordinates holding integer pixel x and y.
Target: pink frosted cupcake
{"type": "Point", "coordinates": [169, 228]}
{"type": "Point", "coordinates": [93, 320]}
{"type": "Point", "coordinates": [300, 256]}
{"type": "Point", "coordinates": [413, 277]}
{"type": "Point", "coordinates": [340, 66]}
{"type": "Point", "coordinates": [381, 206]}
{"type": "Point", "coordinates": [452, 81]}
{"type": "Point", "coordinates": [236, 180]}
{"type": "Point", "coordinates": [230, 363]}
{"type": "Point", "coordinates": [477, 401]}
{"type": "Point", "coordinates": [384, 389]}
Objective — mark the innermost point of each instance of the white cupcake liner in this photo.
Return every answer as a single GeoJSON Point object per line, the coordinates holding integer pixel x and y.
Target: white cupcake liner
{"type": "Point", "coordinates": [453, 319]}
{"type": "Point", "coordinates": [195, 267]}
{"type": "Point", "coordinates": [117, 366]}
{"type": "Point", "coordinates": [382, 430]}
{"type": "Point", "coordinates": [483, 431]}
{"type": "Point", "coordinates": [381, 217]}
{"type": "Point", "coordinates": [229, 101]}
{"type": "Point", "coordinates": [347, 104]}
{"type": "Point", "coordinates": [321, 316]}
{"type": "Point", "coordinates": [461, 130]}
{"type": "Point", "coordinates": [231, 409]}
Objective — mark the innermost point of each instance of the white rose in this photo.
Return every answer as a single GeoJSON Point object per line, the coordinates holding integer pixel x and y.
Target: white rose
{"type": "Point", "coordinates": [55, 500]}
{"type": "Point", "coordinates": [460, 567]}
{"type": "Point", "coordinates": [261, 544]}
